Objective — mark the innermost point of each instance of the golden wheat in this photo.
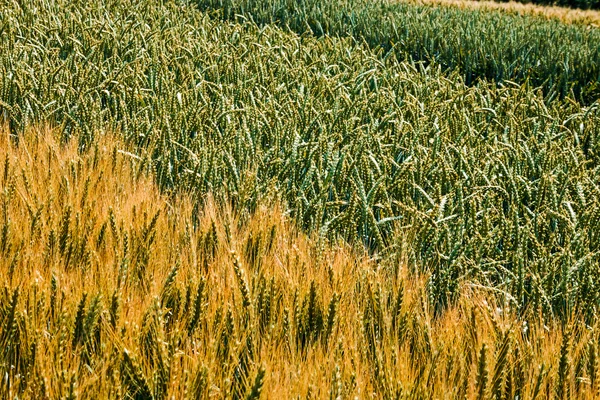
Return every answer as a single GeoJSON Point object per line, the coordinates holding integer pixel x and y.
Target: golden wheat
{"type": "Point", "coordinates": [567, 15]}
{"type": "Point", "coordinates": [112, 290]}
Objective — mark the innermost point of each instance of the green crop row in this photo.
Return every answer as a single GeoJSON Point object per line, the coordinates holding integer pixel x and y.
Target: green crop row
{"type": "Point", "coordinates": [481, 184]}
{"type": "Point", "coordinates": [563, 59]}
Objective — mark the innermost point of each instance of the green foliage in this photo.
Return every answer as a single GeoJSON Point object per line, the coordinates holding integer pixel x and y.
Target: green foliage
{"type": "Point", "coordinates": [478, 43]}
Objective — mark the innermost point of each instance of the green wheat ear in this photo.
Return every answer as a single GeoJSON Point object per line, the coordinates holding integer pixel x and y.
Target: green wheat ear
{"type": "Point", "coordinates": [482, 373]}
{"type": "Point", "coordinates": [200, 383]}
{"type": "Point", "coordinates": [256, 388]}
{"type": "Point", "coordinates": [564, 367]}
{"type": "Point", "coordinates": [198, 306]}
{"type": "Point", "coordinates": [592, 366]}
{"type": "Point", "coordinates": [132, 377]}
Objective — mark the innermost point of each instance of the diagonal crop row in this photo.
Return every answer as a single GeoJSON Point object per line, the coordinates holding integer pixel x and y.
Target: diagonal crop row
{"type": "Point", "coordinates": [480, 44]}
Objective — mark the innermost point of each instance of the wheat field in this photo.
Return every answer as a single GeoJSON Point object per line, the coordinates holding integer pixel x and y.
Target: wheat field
{"type": "Point", "coordinates": [242, 199]}
{"type": "Point", "coordinates": [113, 290]}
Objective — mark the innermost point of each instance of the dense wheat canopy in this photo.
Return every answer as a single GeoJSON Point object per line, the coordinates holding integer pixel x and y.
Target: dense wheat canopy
{"type": "Point", "coordinates": [227, 199]}
{"type": "Point", "coordinates": [562, 59]}
{"type": "Point", "coordinates": [491, 184]}
{"type": "Point", "coordinates": [112, 290]}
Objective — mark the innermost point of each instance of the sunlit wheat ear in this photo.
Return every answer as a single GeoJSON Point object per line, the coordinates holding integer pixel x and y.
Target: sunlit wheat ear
{"type": "Point", "coordinates": [241, 280]}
